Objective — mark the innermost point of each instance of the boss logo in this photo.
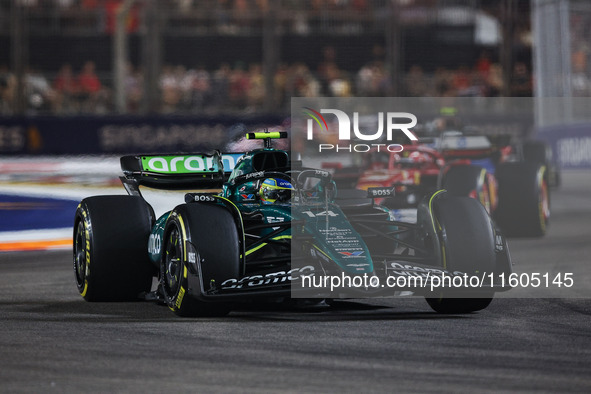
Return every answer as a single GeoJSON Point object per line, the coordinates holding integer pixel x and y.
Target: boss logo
{"type": "Point", "coordinates": [374, 192]}
{"type": "Point", "coordinates": [197, 197]}
{"type": "Point", "coordinates": [204, 197]}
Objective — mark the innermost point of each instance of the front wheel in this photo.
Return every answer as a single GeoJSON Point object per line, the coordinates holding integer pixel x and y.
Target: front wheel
{"type": "Point", "coordinates": [461, 233]}
{"type": "Point", "coordinates": [458, 305]}
{"type": "Point", "coordinates": [211, 233]}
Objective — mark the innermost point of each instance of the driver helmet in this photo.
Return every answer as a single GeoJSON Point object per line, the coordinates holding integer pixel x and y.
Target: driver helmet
{"type": "Point", "coordinates": [412, 159]}
{"type": "Point", "coordinates": [275, 190]}
{"type": "Point", "coordinates": [418, 157]}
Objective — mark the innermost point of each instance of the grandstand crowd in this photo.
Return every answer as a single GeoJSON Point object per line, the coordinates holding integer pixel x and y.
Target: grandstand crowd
{"type": "Point", "coordinates": [240, 87]}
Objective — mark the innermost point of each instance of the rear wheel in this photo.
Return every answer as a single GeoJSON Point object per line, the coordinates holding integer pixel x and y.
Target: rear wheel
{"type": "Point", "coordinates": [458, 305]}
{"type": "Point", "coordinates": [110, 248]}
{"type": "Point", "coordinates": [524, 199]}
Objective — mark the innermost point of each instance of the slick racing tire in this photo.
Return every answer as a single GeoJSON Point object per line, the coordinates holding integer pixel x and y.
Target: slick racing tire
{"type": "Point", "coordinates": [458, 305]}
{"type": "Point", "coordinates": [541, 153]}
{"type": "Point", "coordinates": [536, 152]}
{"type": "Point", "coordinates": [524, 199]}
{"type": "Point", "coordinates": [210, 232]}
{"type": "Point", "coordinates": [469, 181]}
{"type": "Point", "coordinates": [467, 242]}
{"type": "Point", "coordinates": [110, 248]}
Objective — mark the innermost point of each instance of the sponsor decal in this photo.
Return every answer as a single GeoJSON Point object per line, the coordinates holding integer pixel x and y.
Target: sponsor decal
{"type": "Point", "coordinates": [192, 257]}
{"type": "Point", "coordinates": [247, 197]}
{"type": "Point", "coordinates": [179, 299]}
{"type": "Point", "coordinates": [499, 246]}
{"type": "Point", "coordinates": [12, 138]}
{"type": "Point", "coordinates": [197, 197]}
{"type": "Point", "coordinates": [352, 254]}
{"type": "Point", "coordinates": [401, 268]}
{"type": "Point", "coordinates": [375, 192]}
{"type": "Point", "coordinates": [254, 175]}
{"type": "Point", "coordinates": [154, 244]}
{"type": "Point", "coordinates": [323, 213]}
{"type": "Point", "coordinates": [267, 279]}
{"type": "Point", "coordinates": [178, 164]}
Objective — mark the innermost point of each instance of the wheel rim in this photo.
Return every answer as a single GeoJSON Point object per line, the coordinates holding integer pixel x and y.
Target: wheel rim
{"type": "Point", "coordinates": [485, 197]}
{"type": "Point", "coordinates": [544, 204]}
{"type": "Point", "coordinates": [80, 261]}
{"type": "Point", "coordinates": [173, 263]}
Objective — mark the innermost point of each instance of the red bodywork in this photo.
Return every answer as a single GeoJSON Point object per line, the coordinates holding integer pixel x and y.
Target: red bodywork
{"type": "Point", "coordinates": [415, 165]}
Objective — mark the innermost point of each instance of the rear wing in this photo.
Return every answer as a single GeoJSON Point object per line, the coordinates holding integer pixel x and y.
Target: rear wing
{"type": "Point", "coordinates": [459, 145]}
{"type": "Point", "coordinates": [182, 171]}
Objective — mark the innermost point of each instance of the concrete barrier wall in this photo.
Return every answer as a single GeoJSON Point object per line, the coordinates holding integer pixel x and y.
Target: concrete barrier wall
{"type": "Point", "coordinates": [50, 135]}
{"type": "Point", "coordinates": [571, 144]}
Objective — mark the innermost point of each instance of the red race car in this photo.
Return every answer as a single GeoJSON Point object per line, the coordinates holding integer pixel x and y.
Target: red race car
{"type": "Point", "coordinates": [513, 190]}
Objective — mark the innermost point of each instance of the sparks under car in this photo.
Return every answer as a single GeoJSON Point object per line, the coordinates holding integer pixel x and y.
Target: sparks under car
{"type": "Point", "coordinates": [269, 224]}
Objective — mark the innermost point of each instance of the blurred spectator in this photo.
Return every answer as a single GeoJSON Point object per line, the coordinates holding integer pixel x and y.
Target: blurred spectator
{"type": "Point", "coordinates": [133, 88]}
{"type": "Point", "coordinates": [90, 89]}
{"type": "Point", "coordinates": [581, 84]}
{"type": "Point", "coordinates": [442, 83]}
{"type": "Point", "coordinates": [169, 85]}
{"type": "Point", "coordinates": [90, 4]}
{"type": "Point", "coordinates": [328, 68]}
{"type": "Point", "coordinates": [132, 22]}
{"type": "Point", "coordinates": [301, 82]}
{"type": "Point", "coordinates": [184, 80]}
{"type": "Point", "coordinates": [66, 88]}
{"type": "Point", "coordinates": [201, 93]}
{"type": "Point", "coordinates": [221, 86]}
{"type": "Point", "coordinates": [7, 88]}
{"type": "Point", "coordinates": [495, 80]}
{"type": "Point", "coordinates": [38, 91]}
{"type": "Point", "coordinates": [280, 80]}
{"type": "Point", "coordinates": [416, 82]}
{"type": "Point", "coordinates": [256, 88]}
{"type": "Point", "coordinates": [461, 81]}
{"type": "Point", "coordinates": [239, 85]}
{"type": "Point", "coordinates": [521, 81]}
{"type": "Point", "coordinates": [64, 4]}
{"type": "Point", "coordinates": [339, 84]}
{"type": "Point", "coordinates": [483, 65]}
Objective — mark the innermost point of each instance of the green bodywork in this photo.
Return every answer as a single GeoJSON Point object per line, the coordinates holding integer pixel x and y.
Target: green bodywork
{"type": "Point", "coordinates": [334, 238]}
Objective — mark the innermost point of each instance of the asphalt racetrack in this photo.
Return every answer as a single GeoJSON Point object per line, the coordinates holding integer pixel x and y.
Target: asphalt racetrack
{"type": "Point", "coordinates": [53, 341]}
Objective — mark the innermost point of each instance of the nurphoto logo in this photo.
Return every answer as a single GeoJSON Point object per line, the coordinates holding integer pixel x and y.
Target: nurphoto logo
{"type": "Point", "coordinates": [395, 122]}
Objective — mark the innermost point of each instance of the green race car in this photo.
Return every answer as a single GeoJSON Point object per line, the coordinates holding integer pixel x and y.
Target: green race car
{"type": "Point", "coordinates": [276, 231]}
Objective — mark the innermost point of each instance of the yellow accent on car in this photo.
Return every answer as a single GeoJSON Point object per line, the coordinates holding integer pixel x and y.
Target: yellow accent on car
{"type": "Point", "coordinates": [86, 254]}
{"type": "Point", "coordinates": [438, 225]}
{"type": "Point", "coordinates": [262, 135]}
{"type": "Point", "coordinates": [184, 236]}
{"type": "Point", "coordinates": [264, 243]}
{"type": "Point", "coordinates": [179, 298]}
